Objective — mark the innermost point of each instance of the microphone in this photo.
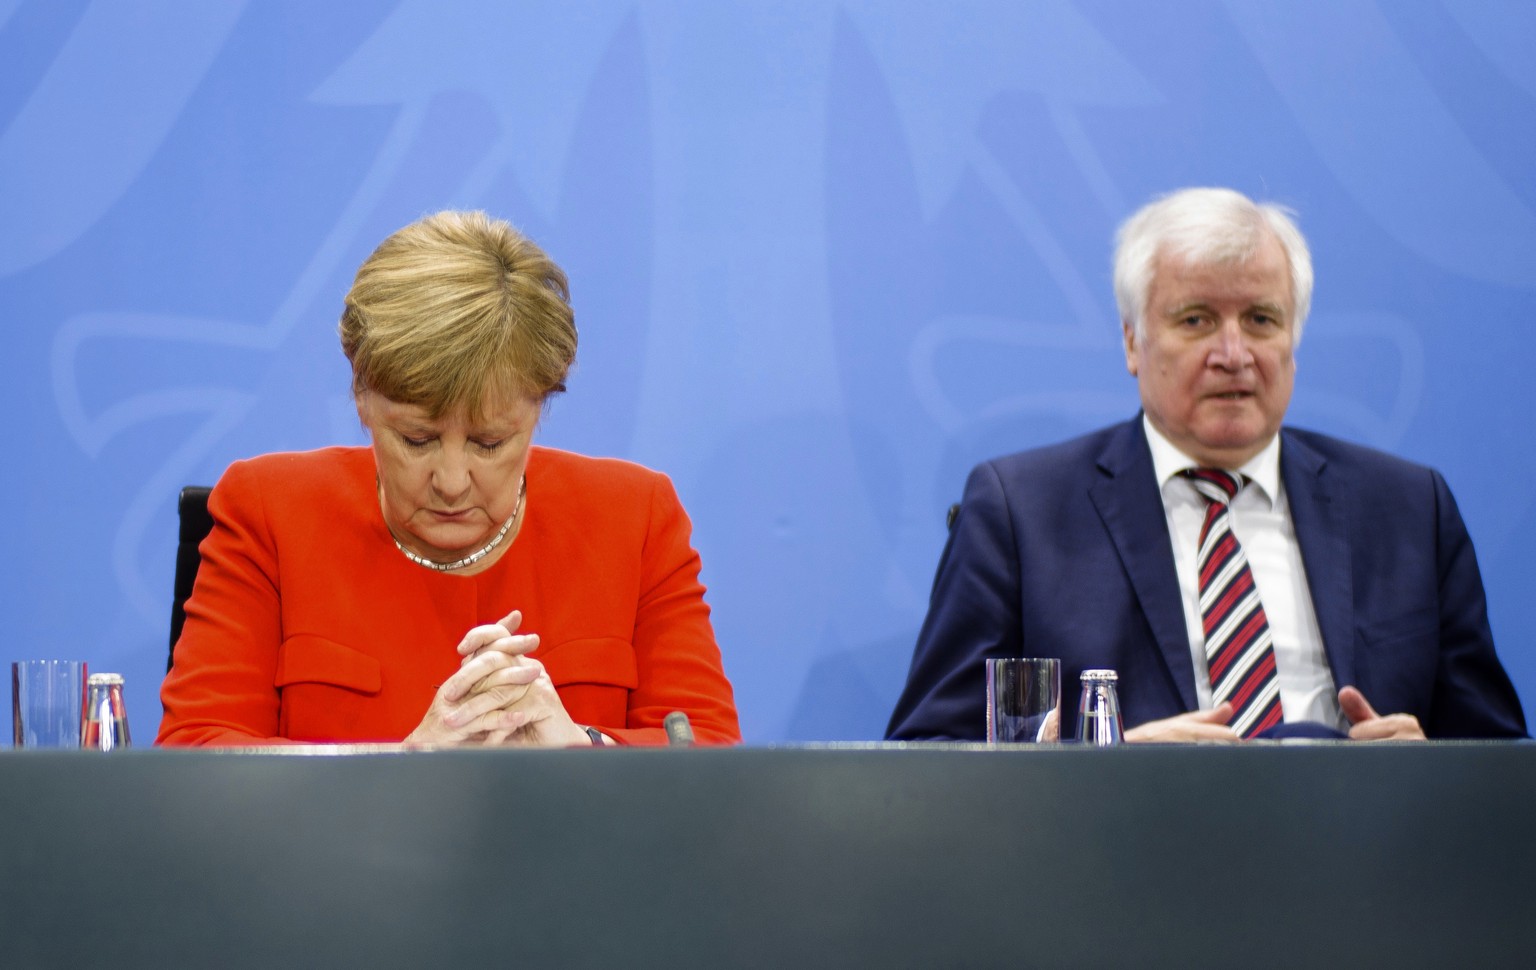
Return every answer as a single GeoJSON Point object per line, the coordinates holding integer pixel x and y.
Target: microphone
{"type": "Point", "coordinates": [679, 731]}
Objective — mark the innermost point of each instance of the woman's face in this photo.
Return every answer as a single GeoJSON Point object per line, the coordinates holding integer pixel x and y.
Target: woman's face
{"type": "Point", "coordinates": [447, 485]}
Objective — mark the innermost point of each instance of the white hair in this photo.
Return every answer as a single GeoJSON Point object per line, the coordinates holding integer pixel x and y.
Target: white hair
{"type": "Point", "coordinates": [1205, 227]}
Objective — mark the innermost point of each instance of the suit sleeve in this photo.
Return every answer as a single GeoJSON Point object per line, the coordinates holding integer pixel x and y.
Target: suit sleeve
{"type": "Point", "coordinates": [221, 690]}
{"type": "Point", "coordinates": [677, 660]}
{"type": "Point", "coordinates": [973, 613]}
{"type": "Point", "coordinates": [1473, 696]}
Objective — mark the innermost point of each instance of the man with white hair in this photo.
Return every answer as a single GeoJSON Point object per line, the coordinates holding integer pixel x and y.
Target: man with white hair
{"type": "Point", "coordinates": [1245, 579]}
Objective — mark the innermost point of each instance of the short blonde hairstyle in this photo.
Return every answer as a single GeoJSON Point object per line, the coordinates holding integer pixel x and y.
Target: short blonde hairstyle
{"type": "Point", "coordinates": [453, 308]}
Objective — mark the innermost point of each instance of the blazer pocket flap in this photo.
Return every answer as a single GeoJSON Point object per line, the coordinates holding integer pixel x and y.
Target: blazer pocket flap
{"type": "Point", "coordinates": [1424, 621]}
{"type": "Point", "coordinates": [308, 659]}
{"type": "Point", "coordinates": [595, 660]}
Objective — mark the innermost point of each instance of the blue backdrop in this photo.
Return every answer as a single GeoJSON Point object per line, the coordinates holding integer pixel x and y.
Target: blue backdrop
{"type": "Point", "coordinates": [825, 256]}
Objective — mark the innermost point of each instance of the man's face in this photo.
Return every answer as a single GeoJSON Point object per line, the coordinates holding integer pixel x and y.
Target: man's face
{"type": "Point", "coordinates": [1215, 360]}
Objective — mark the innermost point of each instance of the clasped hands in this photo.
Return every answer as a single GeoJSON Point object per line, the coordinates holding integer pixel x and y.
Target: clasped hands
{"type": "Point", "coordinates": [499, 695]}
{"type": "Point", "coordinates": [1211, 725]}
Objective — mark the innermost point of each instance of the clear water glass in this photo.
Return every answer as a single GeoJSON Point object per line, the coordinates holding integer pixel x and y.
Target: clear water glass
{"type": "Point", "coordinates": [46, 698]}
{"type": "Point", "coordinates": [1023, 700]}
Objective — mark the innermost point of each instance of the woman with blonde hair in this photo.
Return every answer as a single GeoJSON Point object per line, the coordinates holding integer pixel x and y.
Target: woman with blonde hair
{"type": "Point", "coordinates": [453, 583]}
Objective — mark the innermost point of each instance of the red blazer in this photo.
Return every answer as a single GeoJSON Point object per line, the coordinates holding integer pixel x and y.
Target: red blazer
{"type": "Point", "coordinates": [307, 624]}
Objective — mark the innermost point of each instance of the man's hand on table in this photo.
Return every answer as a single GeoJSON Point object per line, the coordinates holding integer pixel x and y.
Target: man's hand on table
{"type": "Point", "coordinates": [1208, 725]}
{"type": "Point", "coordinates": [1367, 725]}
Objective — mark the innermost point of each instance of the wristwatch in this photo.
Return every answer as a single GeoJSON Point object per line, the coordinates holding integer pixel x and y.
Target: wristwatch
{"type": "Point", "coordinates": [597, 737]}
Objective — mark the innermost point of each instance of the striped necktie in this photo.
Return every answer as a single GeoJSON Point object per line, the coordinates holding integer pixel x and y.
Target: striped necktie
{"type": "Point", "coordinates": [1238, 648]}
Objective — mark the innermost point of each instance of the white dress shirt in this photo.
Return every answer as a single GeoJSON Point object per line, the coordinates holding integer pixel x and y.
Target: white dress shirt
{"type": "Point", "coordinates": [1261, 520]}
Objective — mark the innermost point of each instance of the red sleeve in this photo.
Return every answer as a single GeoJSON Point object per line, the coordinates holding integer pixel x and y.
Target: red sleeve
{"type": "Point", "coordinates": [221, 689]}
{"type": "Point", "coordinates": [677, 659]}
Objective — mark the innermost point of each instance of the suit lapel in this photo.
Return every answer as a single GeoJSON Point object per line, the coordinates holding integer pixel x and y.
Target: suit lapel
{"type": "Point", "coordinates": [1325, 552]}
{"type": "Point", "coordinates": [1126, 496]}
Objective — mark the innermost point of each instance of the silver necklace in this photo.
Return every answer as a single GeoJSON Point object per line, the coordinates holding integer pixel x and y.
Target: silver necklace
{"type": "Point", "coordinates": [478, 554]}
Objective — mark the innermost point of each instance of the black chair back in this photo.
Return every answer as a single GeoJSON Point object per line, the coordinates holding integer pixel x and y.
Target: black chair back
{"type": "Point", "coordinates": [196, 523]}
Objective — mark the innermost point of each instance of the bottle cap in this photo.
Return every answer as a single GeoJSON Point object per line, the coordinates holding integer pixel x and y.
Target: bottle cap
{"type": "Point", "coordinates": [104, 680]}
{"type": "Point", "coordinates": [1101, 676]}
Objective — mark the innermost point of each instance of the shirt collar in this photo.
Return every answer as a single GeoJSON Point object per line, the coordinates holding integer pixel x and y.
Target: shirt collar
{"type": "Point", "coordinates": [1262, 469]}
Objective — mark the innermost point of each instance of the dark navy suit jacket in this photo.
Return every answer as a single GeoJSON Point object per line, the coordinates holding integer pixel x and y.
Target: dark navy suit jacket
{"type": "Point", "coordinates": [1064, 552]}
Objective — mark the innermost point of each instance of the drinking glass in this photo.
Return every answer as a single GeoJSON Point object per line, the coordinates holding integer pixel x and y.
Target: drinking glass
{"type": "Point", "coordinates": [46, 698]}
{"type": "Point", "coordinates": [1023, 699]}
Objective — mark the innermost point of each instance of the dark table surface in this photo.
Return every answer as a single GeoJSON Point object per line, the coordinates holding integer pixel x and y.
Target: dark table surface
{"type": "Point", "coordinates": [890, 856]}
